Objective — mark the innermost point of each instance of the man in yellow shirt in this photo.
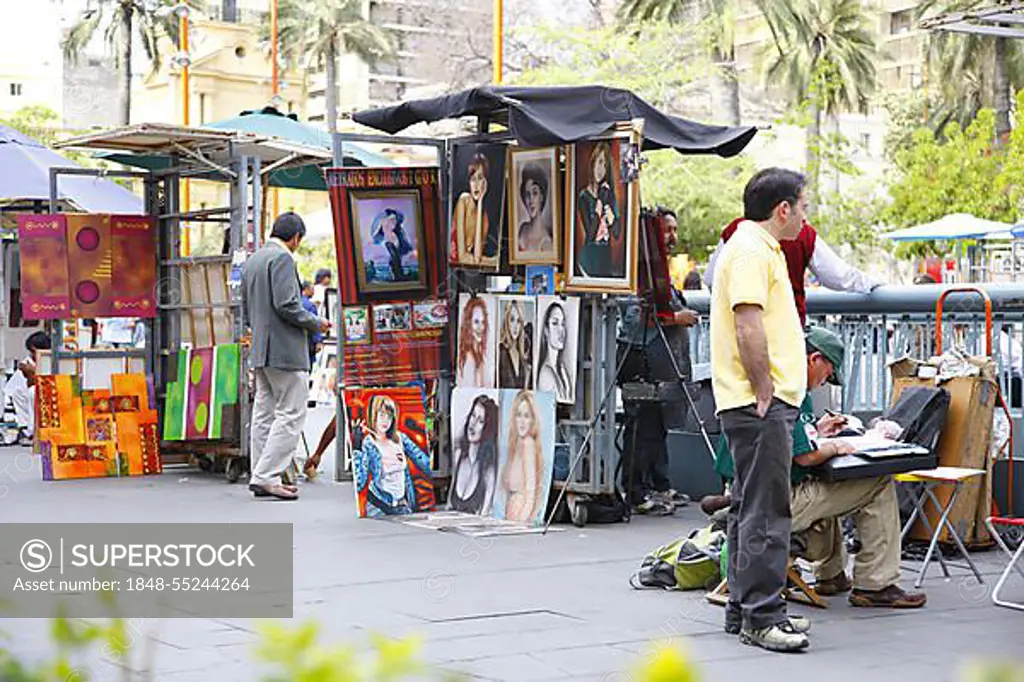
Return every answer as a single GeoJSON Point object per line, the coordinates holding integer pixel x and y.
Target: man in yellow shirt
{"type": "Point", "coordinates": [758, 373]}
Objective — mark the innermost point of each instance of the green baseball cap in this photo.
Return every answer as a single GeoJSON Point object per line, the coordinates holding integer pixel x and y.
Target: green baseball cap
{"type": "Point", "coordinates": [830, 345]}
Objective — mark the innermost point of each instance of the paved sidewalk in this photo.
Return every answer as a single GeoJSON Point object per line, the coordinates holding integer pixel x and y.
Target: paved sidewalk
{"type": "Point", "coordinates": [511, 609]}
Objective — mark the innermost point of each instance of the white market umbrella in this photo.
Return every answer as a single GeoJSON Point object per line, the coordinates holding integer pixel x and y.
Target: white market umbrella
{"type": "Point", "coordinates": [952, 227]}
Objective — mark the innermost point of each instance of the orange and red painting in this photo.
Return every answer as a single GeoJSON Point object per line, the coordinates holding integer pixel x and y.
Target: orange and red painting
{"type": "Point", "coordinates": [96, 433]}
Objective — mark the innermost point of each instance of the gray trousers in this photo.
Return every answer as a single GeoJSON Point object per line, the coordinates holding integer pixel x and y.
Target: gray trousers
{"type": "Point", "coordinates": [278, 415]}
{"type": "Point", "coordinates": [759, 517]}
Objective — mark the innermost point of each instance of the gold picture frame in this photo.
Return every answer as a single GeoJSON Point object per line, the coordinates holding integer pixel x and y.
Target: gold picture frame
{"type": "Point", "coordinates": [380, 225]}
{"type": "Point", "coordinates": [542, 166]}
{"type": "Point", "coordinates": [600, 256]}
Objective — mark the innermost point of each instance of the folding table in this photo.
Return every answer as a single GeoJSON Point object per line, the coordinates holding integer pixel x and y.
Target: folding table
{"type": "Point", "coordinates": [929, 479]}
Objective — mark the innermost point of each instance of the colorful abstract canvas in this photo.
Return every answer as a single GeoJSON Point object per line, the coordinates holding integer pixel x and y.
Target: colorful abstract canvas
{"type": "Point", "coordinates": [43, 246]}
{"type": "Point", "coordinates": [224, 400]}
{"type": "Point", "coordinates": [80, 265]}
{"type": "Point", "coordinates": [390, 460]}
{"type": "Point", "coordinates": [133, 244]}
{"type": "Point", "coordinates": [200, 381]}
{"type": "Point", "coordinates": [97, 433]}
{"type": "Point", "coordinates": [201, 400]}
{"type": "Point", "coordinates": [90, 265]}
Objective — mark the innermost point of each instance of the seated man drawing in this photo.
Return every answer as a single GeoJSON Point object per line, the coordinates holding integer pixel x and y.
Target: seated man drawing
{"type": "Point", "coordinates": [817, 506]}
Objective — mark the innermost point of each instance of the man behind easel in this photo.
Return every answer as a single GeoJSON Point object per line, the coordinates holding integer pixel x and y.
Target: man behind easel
{"type": "Point", "coordinates": [643, 357]}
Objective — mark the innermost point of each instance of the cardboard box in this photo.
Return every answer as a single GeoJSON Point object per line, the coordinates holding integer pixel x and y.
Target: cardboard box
{"type": "Point", "coordinates": [964, 443]}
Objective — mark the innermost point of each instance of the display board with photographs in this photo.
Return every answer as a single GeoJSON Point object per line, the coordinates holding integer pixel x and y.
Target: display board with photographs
{"type": "Point", "coordinates": [526, 445]}
{"type": "Point", "coordinates": [386, 224]}
{"type": "Point", "coordinates": [389, 343]}
{"type": "Point", "coordinates": [535, 209]}
{"type": "Point", "coordinates": [555, 341]}
{"type": "Point", "coordinates": [603, 214]}
{"type": "Point", "coordinates": [474, 429]}
{"type": "Point", "coordinates": [475, 357]}
{"type": "Point", "coordinates": [516, 315]}
{"type": "Point", "coordinates": [390, 451]}
{"type": "Point", "coordinates": [478, 207]}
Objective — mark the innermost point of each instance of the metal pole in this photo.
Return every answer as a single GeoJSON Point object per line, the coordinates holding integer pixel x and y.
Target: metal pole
{"type": "Point", "coordinates": [498, 40]}
{"type": "Point", "coordinates": [186, 241]}
{"type": "Point", "coordinates": [275, 89]}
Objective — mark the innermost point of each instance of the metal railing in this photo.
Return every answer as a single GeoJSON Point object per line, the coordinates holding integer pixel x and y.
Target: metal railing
{"type": "Point", "coordinates": [899, 321]}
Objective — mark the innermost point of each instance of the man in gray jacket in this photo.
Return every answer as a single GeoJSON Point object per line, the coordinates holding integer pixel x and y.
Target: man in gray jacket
{"type": "Point", "coordinates": [280, 326]}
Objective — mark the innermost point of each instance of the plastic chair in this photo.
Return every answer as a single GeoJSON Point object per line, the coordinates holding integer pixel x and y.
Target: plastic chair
{"type": "Point", "coordinates": [992, 522]}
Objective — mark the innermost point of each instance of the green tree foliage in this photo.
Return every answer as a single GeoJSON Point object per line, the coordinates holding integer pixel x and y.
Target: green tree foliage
{"type": "Point", "coordinates": [961, 173]}
{"type": "Point", "coordinates": [316, 32]}
{"type": "Point", "coordinates": [970, 71]}
{"type": "Point", "coordinates": [122, 22]}
{"type": "Point", "coordinates": [658, 63]}
{"type": "Point", "coordinates": [824, 57]}
{"type": "Point", "coordinates": [43, 124]}
{"type": "Point", "coordinates": [312, 256]}
{"type": "Point", "coordinates": [716, 20]}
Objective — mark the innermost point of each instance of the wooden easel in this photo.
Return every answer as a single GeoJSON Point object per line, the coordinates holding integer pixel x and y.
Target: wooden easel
{"type": "Point", "coordinates": [802, 593]}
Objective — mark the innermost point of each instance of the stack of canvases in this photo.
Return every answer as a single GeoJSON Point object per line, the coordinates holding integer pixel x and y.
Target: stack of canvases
{"type": "Point", "coordinates": [516, 358]}
{"type": "Point", "coordinates": [202, 394]}
{"type": "Point", "coordinates": [96, 433]}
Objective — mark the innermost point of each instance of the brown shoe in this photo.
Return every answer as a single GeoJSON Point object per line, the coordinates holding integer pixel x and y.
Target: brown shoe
{"type": "Point", "coordinates": [892, 597]}
{"type": "Point", "coordinates": [709, 504]}
{"type": "Point", "coordinates": [832, 586]}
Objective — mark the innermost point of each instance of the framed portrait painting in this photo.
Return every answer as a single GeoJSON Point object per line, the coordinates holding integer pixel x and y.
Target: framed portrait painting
{"type": "Point", "coordinates": [603, 214]}
{"type": "Point", "coordinates": [388, 232]}
{"type": "Point", "coordinates": [534, 206]}
{"type": "Point", "coordinates": [478, 205]}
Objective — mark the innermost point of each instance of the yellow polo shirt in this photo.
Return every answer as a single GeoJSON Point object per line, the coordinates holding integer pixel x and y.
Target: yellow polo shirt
{"type": "Point", "coordinates": [752, 270]}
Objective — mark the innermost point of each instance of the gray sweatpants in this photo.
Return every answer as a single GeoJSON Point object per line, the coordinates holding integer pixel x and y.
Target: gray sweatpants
{"type": "Point", "coordinates": [759, 517]}
{"type": "Point", "coordinates": [278, 415]}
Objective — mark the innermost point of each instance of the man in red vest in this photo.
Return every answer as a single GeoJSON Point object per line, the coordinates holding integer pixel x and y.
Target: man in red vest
{"type": "Point", "coordinates": [805, 252]}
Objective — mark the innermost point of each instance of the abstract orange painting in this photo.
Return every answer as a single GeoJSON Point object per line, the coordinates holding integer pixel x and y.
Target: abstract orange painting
{"type": "Point", "coordinates": [97, 433]}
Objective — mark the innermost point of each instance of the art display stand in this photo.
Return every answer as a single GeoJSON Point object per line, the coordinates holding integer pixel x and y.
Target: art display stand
{"type": "Point", "coordinates": [196, 340]}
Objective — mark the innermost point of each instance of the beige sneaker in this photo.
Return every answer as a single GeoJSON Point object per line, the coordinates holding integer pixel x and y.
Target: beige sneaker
{"type": "Point", "coordinates": [780, 637]}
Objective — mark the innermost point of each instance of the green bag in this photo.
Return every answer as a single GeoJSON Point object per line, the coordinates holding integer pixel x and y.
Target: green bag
{"type": "Point", "coordinates": [690, 563]}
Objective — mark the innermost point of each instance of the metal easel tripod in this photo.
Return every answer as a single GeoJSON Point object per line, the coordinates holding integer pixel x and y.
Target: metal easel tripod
{"type": "Point", "coordinates": [647, 304]}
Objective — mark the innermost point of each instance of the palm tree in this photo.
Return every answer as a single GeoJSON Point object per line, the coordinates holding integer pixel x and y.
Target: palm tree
{"type": "Point", "coordinates": [824, 55]}
{"type": "Point", "coordinates": [315, 32]}
{"type": "Point", "coordinates": [122, 21]}
{"type": "Point", "coordinates": [719, 17]}
{"type": "Point", "coordinates": [971, 71]}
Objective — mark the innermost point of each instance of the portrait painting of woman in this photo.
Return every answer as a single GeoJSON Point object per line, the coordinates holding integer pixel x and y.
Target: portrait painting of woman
{"type": "Point", "coordinates": [474, 362]}
{"type": "Point", "coordinates": [555, 341]}
{"type": "Point", "coordinates": [474, 450]}
{"type": "Point", "coordinates": [527, 455]}
{"type": "Point", "coordinates": [598, 217]}
{"type": "Point", "coordinates": [603, 217]}
{"type": "Point", "coordinates": [386, 462]}
{"type": "Point", "coordinates": [515, 343]}
{"type": "Point", "coordinates": [389, 238]}
{"type": "Point", "coordinates": [534, 207]}
{"type": "Point", "coordinates": [478, 178]}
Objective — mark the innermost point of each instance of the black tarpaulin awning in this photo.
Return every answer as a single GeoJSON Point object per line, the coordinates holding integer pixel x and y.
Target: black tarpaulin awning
{"type": "Point", "coordinates": [542, 116]}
